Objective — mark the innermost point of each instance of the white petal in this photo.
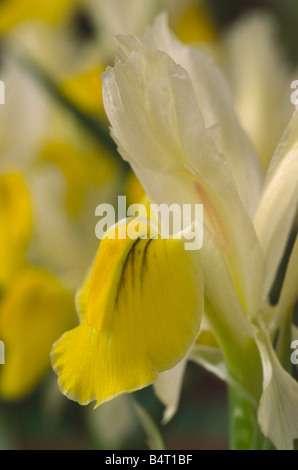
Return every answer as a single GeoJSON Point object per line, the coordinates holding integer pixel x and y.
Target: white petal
{"type": "Point", "coordinates": [260, 80]}
{"type": "Point", "coordinates": [278, 408]}
{"type": "Point", "coordinates": [160, 131]}
{"type": "Point", "coordinates": [217, 106]}
{"type": "Point", "coordinates": [168, 389]}
{"type": "Point", "coordinates": [221, 295]}
{"type": "Point", "coordinates": [289, 292]}
{"type": "Point", "coordinates": [278, 204]}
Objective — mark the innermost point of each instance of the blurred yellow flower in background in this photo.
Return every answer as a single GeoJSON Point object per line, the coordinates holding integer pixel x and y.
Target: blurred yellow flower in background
{"type": "Point", "coordinates": [193, 23]}
{"type": "Point", "coordinates": [16, 226]}
{"type": "Point", "coordinates": [34, 311]}
{"type": "Point", "coordinates": [85, 90]}
{"type": "Point", "coordinates": [34, 307]}
{"type": "Point", "coordinates": [13, 12]}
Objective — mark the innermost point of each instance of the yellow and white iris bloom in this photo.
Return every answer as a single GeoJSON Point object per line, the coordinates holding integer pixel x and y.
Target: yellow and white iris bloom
{"type": "Point", "coordinates": [172, 116]}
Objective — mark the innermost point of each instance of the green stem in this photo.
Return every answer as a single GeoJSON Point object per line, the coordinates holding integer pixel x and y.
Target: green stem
{"type": "Point", "coordinates": [243, 423]}
{"type": "Point", "coordinates": [245, 433]}
{"type": "Point", "coordinates": [244, 364]}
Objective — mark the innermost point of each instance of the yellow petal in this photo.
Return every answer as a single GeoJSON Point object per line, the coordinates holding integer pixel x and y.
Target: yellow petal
{"type": "Point", "coordinates": [33, 314]}
{"type": "Point", "coordinates": [143, 313]}
{"type": "Point", "coordinates": [15, 223]}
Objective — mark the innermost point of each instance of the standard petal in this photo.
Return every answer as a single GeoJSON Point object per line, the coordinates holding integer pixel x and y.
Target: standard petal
{"type": "Point", "coordinates": [161, 132]}
{"type": "Point", "coordinates": [217, 106]}
{"type": "Point", "coordinates": [289, 292]}
{"type": "Point", "coordinates": [143, 313]}
{"type": "Point", "coordinates": [278, 409]}
{"type": "Point", "coordinates": [252, 57]}
{"type": "Point", "coordinates": [229, 322]}
{"type": "Point", "coordinates": [278, 204]}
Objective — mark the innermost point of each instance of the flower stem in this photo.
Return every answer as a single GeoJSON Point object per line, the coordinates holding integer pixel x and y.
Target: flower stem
{"type": "Point", "coordinates": [245, 433]}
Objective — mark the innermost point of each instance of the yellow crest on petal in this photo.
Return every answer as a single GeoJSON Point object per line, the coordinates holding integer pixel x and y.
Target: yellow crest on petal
{"type": "Point", "coordinates": [144, 309]}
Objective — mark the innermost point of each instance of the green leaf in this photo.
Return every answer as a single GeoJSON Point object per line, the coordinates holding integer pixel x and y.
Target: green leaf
{"type": "Point", "coordinates": [155, 441]}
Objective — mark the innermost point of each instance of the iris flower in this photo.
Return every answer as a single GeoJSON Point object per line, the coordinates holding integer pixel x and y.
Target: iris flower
{"type": "Point", "coordinates": [172, 116]}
